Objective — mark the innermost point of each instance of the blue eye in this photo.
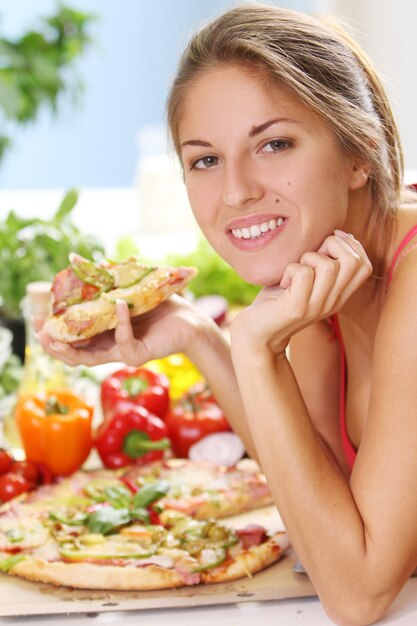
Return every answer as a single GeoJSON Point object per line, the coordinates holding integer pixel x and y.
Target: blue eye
{"type": "Point", "coordinates": [205, 163]}
{"type": "Point", "coordinates": [276, 145]}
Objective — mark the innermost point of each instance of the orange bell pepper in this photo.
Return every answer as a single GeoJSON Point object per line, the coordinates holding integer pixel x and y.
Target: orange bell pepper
{"type": "Point", "coordinates": [55, 428]}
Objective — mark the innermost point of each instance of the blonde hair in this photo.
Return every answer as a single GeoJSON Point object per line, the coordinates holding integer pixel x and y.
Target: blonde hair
{"type": "Point", "coordinates": [324, 68]}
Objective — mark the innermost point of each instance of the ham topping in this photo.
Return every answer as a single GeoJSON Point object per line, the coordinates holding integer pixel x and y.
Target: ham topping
{"type": "Point", "coordinates": [189, 578]}
{"type": "Point", "coordinates": [68, 289]}
{"type": "Point", "coordinates": [252, 535]}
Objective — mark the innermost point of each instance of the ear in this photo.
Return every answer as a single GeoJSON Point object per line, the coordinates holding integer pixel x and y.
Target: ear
{"type": "Point", "coordinates": [359, 175]}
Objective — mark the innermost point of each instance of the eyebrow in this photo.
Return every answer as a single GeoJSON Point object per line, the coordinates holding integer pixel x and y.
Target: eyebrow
{"type": "Point", "coordinates": [254, 131]}
{"type": "Point", "coordinates": [257, 130]}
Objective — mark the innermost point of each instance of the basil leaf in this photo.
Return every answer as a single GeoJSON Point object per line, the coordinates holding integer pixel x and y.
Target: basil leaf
{"type": "Point", "coordinates": [119, 497]}
{"type": "Point", "coordinates": [139, 513]}
{"type": "Point", "coordinates": [150, 493]}
{"type": "Point", "coordinates": [106, 519]}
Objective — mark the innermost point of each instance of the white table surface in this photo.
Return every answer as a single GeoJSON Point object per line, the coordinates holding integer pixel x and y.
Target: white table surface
{"type": "Point", "coordinates": [297, 612]}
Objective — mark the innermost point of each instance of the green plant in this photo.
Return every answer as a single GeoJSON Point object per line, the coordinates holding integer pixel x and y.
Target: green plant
{"type": "Point", "coordinates": [214, 275]}
{"type": "Point", "coordinates": [36, 249]}
{"type": "Point", "coordinates": [34, 67]}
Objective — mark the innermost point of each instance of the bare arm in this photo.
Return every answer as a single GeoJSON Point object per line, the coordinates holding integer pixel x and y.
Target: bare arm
{"type": "Point", "coordinates": [211, 354]}
{"type": "Point", "coordinates": [357, 539]}
{"type": "Point", "coordinates": [318, 379]}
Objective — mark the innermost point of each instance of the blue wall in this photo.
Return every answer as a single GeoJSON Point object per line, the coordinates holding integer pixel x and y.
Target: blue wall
{"type": "Point", "coordinates": [126, 75]}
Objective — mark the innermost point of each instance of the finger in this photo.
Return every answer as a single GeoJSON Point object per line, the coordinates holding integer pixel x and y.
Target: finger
{"type": "Point", "coordinates": [37, 322]}
{"type": "Point", "coordinates": [77, 356]}
{"type": "Point", "coordinates": [63, 352]}
{"type": "Point", "coordinates": [123, 334]}
{"type": "Point", "coordinates": [296, 272]}
{"type": "Point", "coordinates": [340, 241]}
{"type": "Point", "coordinates": [354, 267]}
{"type": "Point", "coordinates": [326, 275]}
{"type": "Point", "coordinates": [351, 255]}
{"type": "Point", "coordinates": [298, 280]}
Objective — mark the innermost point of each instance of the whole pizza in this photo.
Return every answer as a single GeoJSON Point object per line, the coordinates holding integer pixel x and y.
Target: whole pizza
{"type": "Point", "coordinates": [146, 528]}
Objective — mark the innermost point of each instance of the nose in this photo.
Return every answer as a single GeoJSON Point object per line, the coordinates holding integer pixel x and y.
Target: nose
{"type": "Point", "coordinates": [240, 185]}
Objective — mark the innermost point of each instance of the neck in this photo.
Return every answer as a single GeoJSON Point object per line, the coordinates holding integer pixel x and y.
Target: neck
{"type": "Point", "coordinates": [378, 248]}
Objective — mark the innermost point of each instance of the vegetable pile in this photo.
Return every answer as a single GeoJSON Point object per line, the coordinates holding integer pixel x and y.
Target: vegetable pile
{"type": "Point", "coordinates": [140, 423]}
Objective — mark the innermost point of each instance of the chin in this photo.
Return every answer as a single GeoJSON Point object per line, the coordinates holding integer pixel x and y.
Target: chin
{"type": "Point", "coordinates": [259, 276]}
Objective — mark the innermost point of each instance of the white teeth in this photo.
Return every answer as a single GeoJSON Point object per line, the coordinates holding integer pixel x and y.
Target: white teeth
{"type": "Point", "coordinates": [257, 229]}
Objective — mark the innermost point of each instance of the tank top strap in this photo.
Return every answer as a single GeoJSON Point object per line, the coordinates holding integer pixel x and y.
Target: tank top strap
{"type": "Point", "coordinates": [408, 237]}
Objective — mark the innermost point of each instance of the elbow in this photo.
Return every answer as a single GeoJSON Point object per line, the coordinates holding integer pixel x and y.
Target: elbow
{"type": "Point", "coordinates": [360, 611]}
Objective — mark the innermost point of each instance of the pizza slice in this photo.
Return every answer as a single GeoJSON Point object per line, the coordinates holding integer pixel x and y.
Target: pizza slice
{"type": "Point", "coordinates": [85, 294]}
{"type": "Point", "coordinates": [90, 531]}
{"type": "Point", "coordinates": [203, 490]}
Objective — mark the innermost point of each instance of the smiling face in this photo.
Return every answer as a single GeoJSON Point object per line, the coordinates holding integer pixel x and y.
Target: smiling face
{"type": "Point", "coordinates": [266, 177]}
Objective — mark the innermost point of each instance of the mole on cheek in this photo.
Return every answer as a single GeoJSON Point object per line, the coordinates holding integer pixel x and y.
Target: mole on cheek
{"type": "Point", "coordinates": [289, 184]}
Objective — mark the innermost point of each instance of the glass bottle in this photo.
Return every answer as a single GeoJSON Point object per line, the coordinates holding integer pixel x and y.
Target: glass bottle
{"type": "Point", "coordinates": [41, 372]}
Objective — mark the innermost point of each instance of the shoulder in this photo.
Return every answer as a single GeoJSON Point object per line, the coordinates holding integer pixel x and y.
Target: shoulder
{"type": "Point", "coordinates": [403, 280]}
{"type": "Point", "coordinates": [397, 327]}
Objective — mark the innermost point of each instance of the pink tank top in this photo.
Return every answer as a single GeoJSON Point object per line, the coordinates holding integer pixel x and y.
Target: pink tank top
{"type": "Point", "coordinates": [348, 449]}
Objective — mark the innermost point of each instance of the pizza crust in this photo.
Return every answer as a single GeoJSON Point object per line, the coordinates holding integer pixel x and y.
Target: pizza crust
{"type": "Point", "coordinates": [91, 576]}
{"type": "Point", "coordinates": [234, 506]}
{"type": "Point", "coordinates": [84, 320]}
{"type": "Point", "coordinates": [148, 577]}
{"type": "Point", "coordinates": [250, 561]}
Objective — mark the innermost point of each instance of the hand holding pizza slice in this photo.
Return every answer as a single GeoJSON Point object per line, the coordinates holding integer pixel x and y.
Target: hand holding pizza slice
{"type": "Point", "coordinates": [85, 295]}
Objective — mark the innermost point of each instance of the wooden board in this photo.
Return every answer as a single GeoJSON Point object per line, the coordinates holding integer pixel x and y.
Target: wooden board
{"type": "Point", "coordinates": [20, 597]}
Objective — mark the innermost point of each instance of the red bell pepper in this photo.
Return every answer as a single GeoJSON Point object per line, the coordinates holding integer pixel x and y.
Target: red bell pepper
{"type": "Point", "coordinates": [195, 415]}
{"type": "Point", "coordinates": [131, 435]}
{"type": "Point", "coordinates": [138, 385]}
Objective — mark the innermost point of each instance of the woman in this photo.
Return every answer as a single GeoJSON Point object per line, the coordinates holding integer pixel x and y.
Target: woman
{"type": "Point", "coordinates": [293, 168]}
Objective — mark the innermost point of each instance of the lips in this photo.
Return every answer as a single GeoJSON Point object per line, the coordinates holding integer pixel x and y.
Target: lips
{"type": "Point", "coordinates": [256, 235]}
{"type": "Point", "coordinates": [257, 230]}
